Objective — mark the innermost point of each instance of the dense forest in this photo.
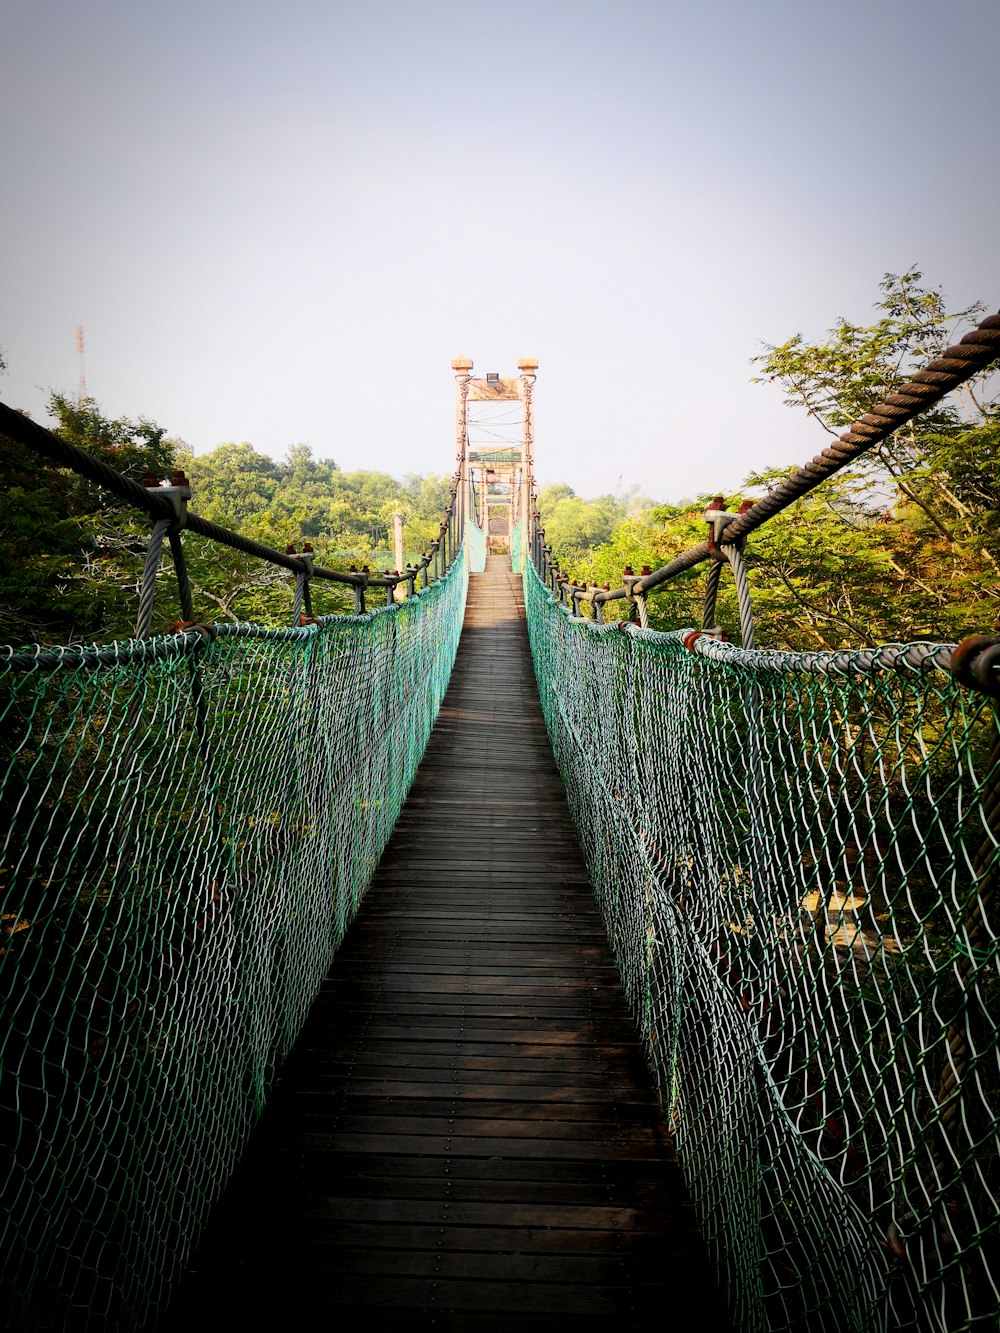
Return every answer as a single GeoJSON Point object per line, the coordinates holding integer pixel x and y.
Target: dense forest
{"type": "Point", "coordinates": [904, 545]}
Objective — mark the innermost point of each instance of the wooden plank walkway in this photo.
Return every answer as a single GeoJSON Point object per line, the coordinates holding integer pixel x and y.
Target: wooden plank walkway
{"type": "Point", "coordinates": [466, 1137]}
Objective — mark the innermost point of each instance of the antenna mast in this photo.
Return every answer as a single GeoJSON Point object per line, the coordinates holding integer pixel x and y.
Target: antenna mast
{"type": "Point", "coordinates": [81, 392]}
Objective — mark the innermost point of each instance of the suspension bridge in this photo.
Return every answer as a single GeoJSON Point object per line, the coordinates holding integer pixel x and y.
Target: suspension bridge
{"type": "Point", "coordinates": [379, 966]}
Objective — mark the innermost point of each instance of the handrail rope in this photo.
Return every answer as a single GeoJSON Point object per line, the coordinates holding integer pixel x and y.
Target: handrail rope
{"type": "Point", "coordinates": [174, 643]}
{"type": "Point", "coordinates": [16, 426]}
{"type": "Point", "coordinates": [976, 350]}
{"type": "Point", "coordinates": [973, 665]}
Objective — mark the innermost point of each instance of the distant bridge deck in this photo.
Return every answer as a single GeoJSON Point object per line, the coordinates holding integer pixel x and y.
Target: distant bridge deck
{"type": "Point", "coordinates": [466, 1136]}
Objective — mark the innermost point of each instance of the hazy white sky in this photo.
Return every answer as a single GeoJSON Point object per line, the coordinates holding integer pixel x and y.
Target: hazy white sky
{"type": "Point", "coordinates": [279, 223]}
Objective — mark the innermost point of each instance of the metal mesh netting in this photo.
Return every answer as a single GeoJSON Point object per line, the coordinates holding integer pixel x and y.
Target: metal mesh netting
{"type": "Point", "coordinates": [796, 857]}
{"type": "Point", "coordinates": [475, 544]}
{"type": "Point", "coordinates": [189, 827]}
{"type": "Point", "coordinates": [517, 545]}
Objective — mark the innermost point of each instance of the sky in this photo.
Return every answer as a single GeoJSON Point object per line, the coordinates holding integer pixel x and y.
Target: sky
{"type": "Point", "coordinates": [280, 223]}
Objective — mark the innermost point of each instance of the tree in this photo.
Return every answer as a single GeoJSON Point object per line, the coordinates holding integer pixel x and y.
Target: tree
{"type": "Point", "coordinates": [549, 496]}
{"type": "Point", "coordinates": [838, 380]}
{"type": "Point", "coordinates": [574, 525]}
{"type": "Point", "coordinates": [71, 556]}
{"type": "Point", "coordinates": [935, 484]}
{"type": "Point", "coordinates": [232, 482]}
{"type": "Point", "coordinates": [71, 553]}
{"type": "Point", "coordinates": [903, 545]}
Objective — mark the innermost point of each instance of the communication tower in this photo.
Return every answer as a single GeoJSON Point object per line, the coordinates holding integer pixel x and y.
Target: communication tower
{"type": "Point", "coordinates": [81, 392]}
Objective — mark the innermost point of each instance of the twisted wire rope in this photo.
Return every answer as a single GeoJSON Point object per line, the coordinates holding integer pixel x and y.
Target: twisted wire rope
{"type": "Point", "coordinates": [150, 569]}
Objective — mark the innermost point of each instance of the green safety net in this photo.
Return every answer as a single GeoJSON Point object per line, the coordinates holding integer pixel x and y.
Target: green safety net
{"type": "Point", "coordinates": [517, 545]}
{"type": "Point", "coordinates": [475, 544]}
{"type": "Point", "coordinates": [189, 825]}
{"type": "Point", "coordinates": [796, 857]}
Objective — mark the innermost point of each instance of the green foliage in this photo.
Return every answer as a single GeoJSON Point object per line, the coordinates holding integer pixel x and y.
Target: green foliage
{"type": "Point", "coordinates": [346, 517]}
{"type": "Point", "coordinates": [574, 526]}
{"type": "Point", "coordinates": [70, 553]}
{"type": "Point", "coordinates": [71, 557]}
{"type": "Point", "coordinates": [903, 545]}
{"type": "Point", "coordinates": [838, 380]}
{"type": "Point", "coordinates": [651, 538]}
{"type": "Point", "coordinates": [935, 483]}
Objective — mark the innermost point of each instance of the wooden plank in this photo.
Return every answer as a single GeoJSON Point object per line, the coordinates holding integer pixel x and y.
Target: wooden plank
{"type": "Point", "coordinates": [575, 1089]}
{"type": "Point", "coordinates": [387, 1141]}
{"type": "Point", "coordinates": [530, 1048]}
{"type": "Point", "coordinates": [618, 1223]}
{"type": "Point", "coordinates": [622, 1182]}
{"type": "Point", "coordinates": [552, 1111]}
{"type": "Point", "coordinates": [465, 1125]}
{"type": "Point", "coordinates": [402, 1293]}
{"type": "Point", "coordinates": [336, 1182]}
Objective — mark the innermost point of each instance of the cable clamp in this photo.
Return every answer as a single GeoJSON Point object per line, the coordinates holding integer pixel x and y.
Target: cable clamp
{"type": "Point", "coordinates": [717, 520]}
{"type": "Point", "coordinates": [307, 555]}
{"type": "Point", "coordinates": [177, 491]}
{"type": "Point", "coordinates": [718, 517]}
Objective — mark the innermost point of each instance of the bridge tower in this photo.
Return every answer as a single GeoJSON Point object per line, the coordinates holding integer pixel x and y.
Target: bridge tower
{"type": "Point", "coordinates": [503, 469]}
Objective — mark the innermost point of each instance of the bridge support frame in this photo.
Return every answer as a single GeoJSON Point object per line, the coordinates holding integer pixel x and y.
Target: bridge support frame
{"type": "Point", "coordinates": [505, 471]}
